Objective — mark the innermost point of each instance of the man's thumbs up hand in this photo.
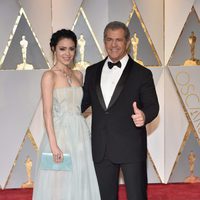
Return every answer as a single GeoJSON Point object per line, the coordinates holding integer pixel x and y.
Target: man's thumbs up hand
{"type": "Point", "coordinates": [138, 116]}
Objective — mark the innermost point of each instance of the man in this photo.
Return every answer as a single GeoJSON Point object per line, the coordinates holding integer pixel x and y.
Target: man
{"type": "Point", "coordinates": [123, 100]}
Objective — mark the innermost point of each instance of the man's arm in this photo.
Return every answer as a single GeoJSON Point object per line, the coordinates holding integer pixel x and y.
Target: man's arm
{"type": "Point", "coordinates": [86, 101]}
{"type": "Point", "coordinates": [149, 103]}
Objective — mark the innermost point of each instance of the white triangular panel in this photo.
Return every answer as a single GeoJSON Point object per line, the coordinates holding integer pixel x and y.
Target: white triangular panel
{"type": "Point", "coordinates": [188, 86]}
{"type": "Point", "coordinates": [37, 125]}
{"type": "Point", "coordinates": [156, 128]}
{"type": "Point", "coordinates": [153, 22]}
{"type": "Point", "coordinates": [115, 10]}
{"type": "Point", "coordinates": [11, 7]}
{"type": "Point", "coordinates": [176, 13]}
{"type": "Point", "coordinates": [19, 94]}
{"type": "Point", "coordinates": [152, 175]}
{"type": "Point", "coordinates": [92, 8]}
{"type": "Point", "coordinates": [176, 124]}
{"type": "Point", "coordinates": [157, 73]}
{"type": "Point", "coordinates": [64, 13]}
{"type": "Point", "coordinates": [109, 12]}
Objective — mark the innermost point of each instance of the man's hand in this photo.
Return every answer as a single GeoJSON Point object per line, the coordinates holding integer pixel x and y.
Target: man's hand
{"type": "Point", "coordinates": [138, 117]}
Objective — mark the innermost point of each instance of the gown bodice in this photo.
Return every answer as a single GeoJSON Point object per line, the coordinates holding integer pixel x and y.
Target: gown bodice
{"type": "Point", "coordinates": [67, 101]}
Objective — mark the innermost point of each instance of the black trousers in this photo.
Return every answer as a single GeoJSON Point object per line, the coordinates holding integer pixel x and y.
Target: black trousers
{"type": "Point", "coordinates": [135, 177]}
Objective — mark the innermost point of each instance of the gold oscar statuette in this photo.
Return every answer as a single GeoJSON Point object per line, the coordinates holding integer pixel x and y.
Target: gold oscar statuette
{"type": "Point", "coordinates": [192, 42]}
{"type": "Point", "coordinates": [24, 65]}
{"type": "Point", "coordinates": [29, 182]}
{"type": "Point", "coordinates": [82, 64]}
{"type": "Point", "coordinates": [135, 42]}
{"type": "Point", "coordinates": [192, 178]}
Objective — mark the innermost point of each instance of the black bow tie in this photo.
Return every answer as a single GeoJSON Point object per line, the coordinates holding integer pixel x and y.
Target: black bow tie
{"type": "Point", "coordinates": [110, 64]}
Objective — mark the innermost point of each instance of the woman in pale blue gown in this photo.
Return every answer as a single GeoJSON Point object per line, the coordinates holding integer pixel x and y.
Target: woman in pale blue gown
{"type": "Point", "coordinates": [66, 130]}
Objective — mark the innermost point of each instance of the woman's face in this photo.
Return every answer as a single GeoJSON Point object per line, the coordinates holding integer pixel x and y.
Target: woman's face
{"type": "Point", "coordinates": [65, 51]}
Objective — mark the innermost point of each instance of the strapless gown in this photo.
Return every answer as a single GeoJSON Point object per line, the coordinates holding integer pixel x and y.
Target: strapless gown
{"type": "Point", "coordinates": [73, 136]}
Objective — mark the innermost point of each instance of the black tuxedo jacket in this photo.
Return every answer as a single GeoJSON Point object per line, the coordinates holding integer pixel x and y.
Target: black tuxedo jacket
{"type": "Point", "coordinates": [113, 130]}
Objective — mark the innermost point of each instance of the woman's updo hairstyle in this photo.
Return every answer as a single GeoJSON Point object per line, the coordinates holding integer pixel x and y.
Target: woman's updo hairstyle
{"type": "Point", "coordinates": [60, 34]}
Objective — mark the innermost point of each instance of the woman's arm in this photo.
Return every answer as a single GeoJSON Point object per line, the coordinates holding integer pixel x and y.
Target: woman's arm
{"type": "Point", "coordinates": [79, 76]}
{"type": "Point", "coordinates": [47, 86]}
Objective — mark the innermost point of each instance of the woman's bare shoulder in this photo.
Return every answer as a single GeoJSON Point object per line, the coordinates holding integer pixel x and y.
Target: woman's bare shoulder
{"type": "Point", "coordinates": [78, 74]}
{"type": "Point", "coordinates": [48, 75]}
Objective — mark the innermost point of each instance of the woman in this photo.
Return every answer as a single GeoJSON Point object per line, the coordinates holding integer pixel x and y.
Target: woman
{"type": "Point", "coordinates": [66, 129]}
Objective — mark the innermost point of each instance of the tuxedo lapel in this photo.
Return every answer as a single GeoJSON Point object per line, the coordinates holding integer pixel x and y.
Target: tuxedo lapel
{"type": "Point", "coordinates": [98, 85]}
{"type": "Point", "coordinates": [121, 83]}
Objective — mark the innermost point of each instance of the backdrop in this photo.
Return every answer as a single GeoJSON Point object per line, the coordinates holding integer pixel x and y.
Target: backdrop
{"type": "Point", "coordinates": [161, 31]}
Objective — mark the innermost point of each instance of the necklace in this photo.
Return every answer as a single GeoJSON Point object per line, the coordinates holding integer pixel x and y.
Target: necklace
{"type": "Point", "coordinates": [67, 75]}
{"type": "Point", "coordinates": [69, 79]}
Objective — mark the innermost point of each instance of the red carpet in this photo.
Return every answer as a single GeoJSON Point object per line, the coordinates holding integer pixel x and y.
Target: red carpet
{"type": "Point", "coordinates": [155, 192]}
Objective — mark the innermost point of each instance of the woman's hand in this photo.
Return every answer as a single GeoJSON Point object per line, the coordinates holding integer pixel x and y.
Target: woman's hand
{"type": "Point", "coordinates": [57, 154]}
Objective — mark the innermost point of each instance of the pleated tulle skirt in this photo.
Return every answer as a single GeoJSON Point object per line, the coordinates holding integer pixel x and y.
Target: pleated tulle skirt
{"type": "Point", "coordinates": [73, 137]}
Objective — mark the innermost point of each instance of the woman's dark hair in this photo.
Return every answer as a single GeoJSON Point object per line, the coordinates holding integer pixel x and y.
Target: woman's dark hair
{"type": "Point", "coordinates": [60, 34]}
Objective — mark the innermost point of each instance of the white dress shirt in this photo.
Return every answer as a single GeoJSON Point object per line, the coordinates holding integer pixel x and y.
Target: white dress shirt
{"type": "Point", "coordinates": [110, 78]}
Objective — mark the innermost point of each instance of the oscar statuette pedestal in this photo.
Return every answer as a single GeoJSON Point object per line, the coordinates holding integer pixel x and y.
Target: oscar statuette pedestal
{"type": "Point", "coordinates": [192, 62]}
{"type": "Point", "coordinates": [192, 179]}
{"type": "Point", "coordinates": [24, 66]}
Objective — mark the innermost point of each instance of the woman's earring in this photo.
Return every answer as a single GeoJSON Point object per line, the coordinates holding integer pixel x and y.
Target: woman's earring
{"type": "Point", "coordinates": [54, 58]}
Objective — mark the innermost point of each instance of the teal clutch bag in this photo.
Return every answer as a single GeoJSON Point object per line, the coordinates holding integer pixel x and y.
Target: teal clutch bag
{"type": "Point", "coordinates": [47, 163]}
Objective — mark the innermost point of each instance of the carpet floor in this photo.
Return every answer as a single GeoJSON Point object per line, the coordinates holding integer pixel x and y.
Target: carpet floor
{"type": "Point", "coordinates": [155, 192]}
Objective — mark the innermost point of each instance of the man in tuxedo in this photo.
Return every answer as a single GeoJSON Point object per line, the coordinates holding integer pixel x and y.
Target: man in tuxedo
{"type": "Point", "coordinates": [123, 99]}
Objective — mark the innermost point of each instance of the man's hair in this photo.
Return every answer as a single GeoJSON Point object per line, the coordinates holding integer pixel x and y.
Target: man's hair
{"type": "Point", "coordinates": [117, 25]}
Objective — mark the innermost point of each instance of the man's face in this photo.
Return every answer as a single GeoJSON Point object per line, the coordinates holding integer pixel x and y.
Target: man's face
{"type": "Point", "coordinates": [116, 44]}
